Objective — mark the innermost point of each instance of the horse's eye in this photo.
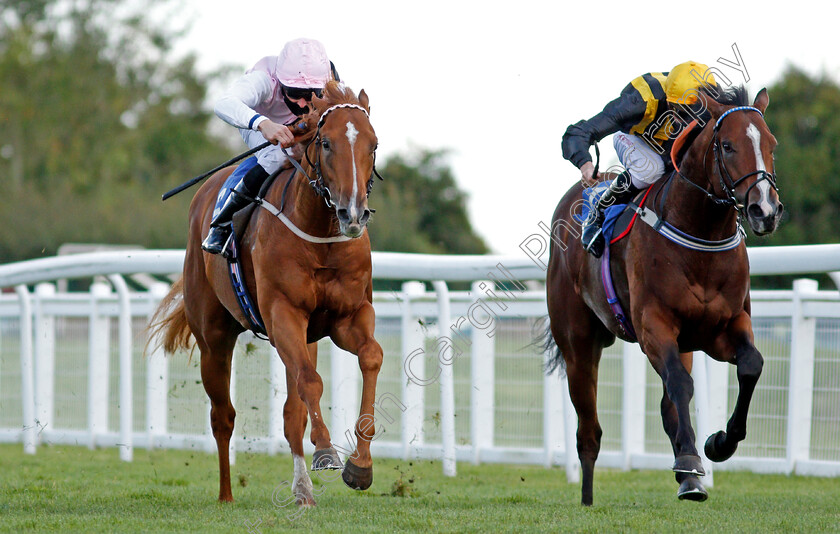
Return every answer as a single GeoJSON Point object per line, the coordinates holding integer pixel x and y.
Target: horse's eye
{"type": "Point", "coordinates": [727, 147]}
{"type": "Point", "coordinates": [325, 144]}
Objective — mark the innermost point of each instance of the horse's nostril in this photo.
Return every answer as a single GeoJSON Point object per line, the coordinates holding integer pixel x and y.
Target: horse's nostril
{"type": "Point", "coordinates": [343, 215]}
{"type": "Point", "coordinates": [755, 211]}
{"type": "Point", "coordinates": [365, 217]}
{"type": "Point", "coordinates": [780, 209]}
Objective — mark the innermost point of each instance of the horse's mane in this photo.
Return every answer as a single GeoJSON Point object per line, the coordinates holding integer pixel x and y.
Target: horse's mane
{"type": "Point", "coordinates": [334, 93]}
{"type": "Point", "coordinates": [731, 96]}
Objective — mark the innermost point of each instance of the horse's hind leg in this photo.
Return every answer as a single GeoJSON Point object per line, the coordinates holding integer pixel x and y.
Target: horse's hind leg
{"type": "Point", "coordinates": [215, 375]}
{"type": "Point", "coordinates": [294, 427]}
{"type": "Point", "coordinates": [582, 355]}
{"type": "Point", "coordinates": [749, 362]}
{"type": "Point", "coordinates": [690, 486]}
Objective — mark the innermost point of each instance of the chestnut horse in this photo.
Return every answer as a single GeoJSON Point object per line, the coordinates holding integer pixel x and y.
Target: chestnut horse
{"type": "Point", "coordinates": [309, 276]}
{"type": "Point", "coordinates": [680, 299]}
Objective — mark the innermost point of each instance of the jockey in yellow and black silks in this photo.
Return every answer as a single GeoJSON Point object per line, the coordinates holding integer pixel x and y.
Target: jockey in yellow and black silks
{"type": "Point", "coordinates": [647, 116]}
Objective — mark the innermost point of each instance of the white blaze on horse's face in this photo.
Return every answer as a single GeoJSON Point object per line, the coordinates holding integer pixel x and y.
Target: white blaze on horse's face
{"type": "Point", "coordinates": [767, 208]}
{"type": "Point", "coordinates": [352, 132]}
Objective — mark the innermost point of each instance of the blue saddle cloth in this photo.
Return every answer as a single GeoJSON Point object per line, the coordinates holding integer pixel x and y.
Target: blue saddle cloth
{"type": "Point", "coordinates": [591, 195]}
{"type": "Point", "coordinates": [234, 178]}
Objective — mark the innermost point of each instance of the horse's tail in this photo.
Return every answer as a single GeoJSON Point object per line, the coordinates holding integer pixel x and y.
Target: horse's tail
{"type": "Point", "coordinates": [544, 341]}
{"type": "Point", "coordinates": [168, 327]}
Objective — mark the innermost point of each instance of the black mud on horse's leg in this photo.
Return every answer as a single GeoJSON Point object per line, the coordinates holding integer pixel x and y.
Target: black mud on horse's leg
{"type": "Point", "coordinates": [722, 445]}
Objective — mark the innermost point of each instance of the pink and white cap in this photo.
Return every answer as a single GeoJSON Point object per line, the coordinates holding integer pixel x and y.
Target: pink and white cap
{"type": "Point", "coordinates": [303, 63]}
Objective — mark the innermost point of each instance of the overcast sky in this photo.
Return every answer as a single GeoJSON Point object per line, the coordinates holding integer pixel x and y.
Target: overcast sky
{"type": "Point", "coordinates": [499, 82]}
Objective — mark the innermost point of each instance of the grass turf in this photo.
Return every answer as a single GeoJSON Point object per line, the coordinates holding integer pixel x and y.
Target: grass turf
{"type": "Point", "coordinates": [73, 489]}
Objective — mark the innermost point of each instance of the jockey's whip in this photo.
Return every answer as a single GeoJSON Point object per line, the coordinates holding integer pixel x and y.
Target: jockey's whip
{"type": "Point", "coordinates": [192, 182]}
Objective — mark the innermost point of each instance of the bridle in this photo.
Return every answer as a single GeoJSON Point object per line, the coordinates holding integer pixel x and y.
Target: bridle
{"type": "Point", "coordinates": [726, 182]}
{"type": "Point", "coordinates": [318, 183]}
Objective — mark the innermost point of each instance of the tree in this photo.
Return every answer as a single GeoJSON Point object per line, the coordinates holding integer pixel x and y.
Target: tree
{"type": "Point", "coordinates": [419, 208]}
{"type": "Point", "coordinates": [96, 120]}
{"type": "Point", "coordinates": [804, 116]}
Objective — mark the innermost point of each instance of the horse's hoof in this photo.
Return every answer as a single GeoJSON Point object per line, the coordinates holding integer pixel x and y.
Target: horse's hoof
{"type": "Point", "coordinates": [305, 501]}
{"type": "Point", "coordinates": [326, 459]}
{"type": "Point", "coordinates": [689, 463]}
{"type": "Point", "coordinates": [357, 478]}
{"type": "Point", "coordinates": [715, 449]}
{"type": "Point", "coordinates": [692, 490]}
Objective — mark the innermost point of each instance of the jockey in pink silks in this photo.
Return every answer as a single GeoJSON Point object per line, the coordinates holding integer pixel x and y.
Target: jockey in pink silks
{"type": "Point", "coordinates": [261, 104]}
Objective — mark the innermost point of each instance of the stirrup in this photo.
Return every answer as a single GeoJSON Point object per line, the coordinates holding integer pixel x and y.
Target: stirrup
{"type": "Point", "coordinates": [218, 240]}
{"type": "Point", "coordinates": [596, 243]}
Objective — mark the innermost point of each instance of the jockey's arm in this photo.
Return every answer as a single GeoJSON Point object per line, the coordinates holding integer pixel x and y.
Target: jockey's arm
{"type": "Point", "coordinates": [622, 112]}
{"type": "Point", "coordinates": [236, 106]}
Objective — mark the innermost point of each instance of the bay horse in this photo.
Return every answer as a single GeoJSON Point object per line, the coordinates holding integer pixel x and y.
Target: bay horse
{"type": "Point", "coordinates": [680, 299]}
{"type": "Point", "coordinates": [309, 279]}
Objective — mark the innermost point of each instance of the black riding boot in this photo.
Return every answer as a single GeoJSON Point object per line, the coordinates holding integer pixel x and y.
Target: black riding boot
{"type": "Point", "coordinates": [621, 190]}
{"type": "Point", "coordinates": [220, 226]}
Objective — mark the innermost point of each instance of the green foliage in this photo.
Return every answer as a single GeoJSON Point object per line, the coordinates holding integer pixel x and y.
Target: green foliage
{"type": "Point", "coordinates": [419, 208]}
{"type": "Point", "coordinates": [97, 120]}
{"type": "Point", "coordinates": [804, 115]}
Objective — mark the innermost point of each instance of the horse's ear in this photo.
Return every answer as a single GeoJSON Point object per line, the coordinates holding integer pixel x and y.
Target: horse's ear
{"type": "Point", "coordinates": [762, 99]}
{"type": "Point", "coordinates": [364, 101]}
{"type": "Point", "coordinates": [713, 106]}
{"type": "Point", "coordinates": [320, 104]}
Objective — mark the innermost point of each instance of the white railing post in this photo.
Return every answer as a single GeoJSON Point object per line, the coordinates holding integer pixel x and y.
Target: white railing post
{"type": "Point", "coordinates": [126, 371]}
{"type": "Point", "coordinates": [276, 400]}
{"type": "Point", "coordinates": [344, 390]}
{"type": "Point", "coordinates": [99, 361]}
{"type": "Point", "coordinates": [157, 377]}
{"type": "Point", "coordinates": [482, 385]}
{"type": "Point", "coordinates": [447, 381]}
{"type": "Point", "coordinates": [44, 344]}
{"type": "Point", "coordinates": [633, 387]}
{"type": "Point", "coordinates": [413, 364]}
{"type": "Point", "coordinates": [701, 410]}
{"type": "Point", "coordinates": [553, 416]}
{"type": "Point", "coordinates": [27, 386]}
{"type": "Point", "coordinates": [801, 387]}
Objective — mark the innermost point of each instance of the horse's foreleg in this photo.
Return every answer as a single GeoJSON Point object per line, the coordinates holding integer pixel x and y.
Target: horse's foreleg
{"type": "Point", "coordinates": [749, 362]}
{"type": "Point", "coordinates": [294, 427]}
{"type": "Point", "coordinates": [690, 486]}
{"type": "Point", "coordinates": [288, 335]}
{"type": "Point", "coordinates": [215, 375]}
{"type": "Point", "coordinates": [356, 336]}
{"type": "Point", "coordinates": [659, 342]}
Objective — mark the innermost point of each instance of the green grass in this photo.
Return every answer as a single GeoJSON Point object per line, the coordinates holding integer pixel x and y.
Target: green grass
{"type": "Point", "coordinates": [72, 489]}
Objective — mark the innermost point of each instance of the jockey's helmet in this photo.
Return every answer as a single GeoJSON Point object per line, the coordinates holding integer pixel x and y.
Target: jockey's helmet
{"type": "Point", "coordinates": [684, 79]}
{"type": "Point", "coordinates": [303, 63]}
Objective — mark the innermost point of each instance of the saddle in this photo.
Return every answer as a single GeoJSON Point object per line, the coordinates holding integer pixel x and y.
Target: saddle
{"type": "Point", "coordinates": [239, 225]}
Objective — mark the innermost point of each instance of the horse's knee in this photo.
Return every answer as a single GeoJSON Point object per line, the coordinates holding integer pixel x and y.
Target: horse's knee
{"type": "Point", "coordinates": [370, 358]}
{"type": "Point", "coordinates": [678, 383]}
{"type": "Point", "coordinates": [749, 363]}
{"type": "Point", "coordinates": [309, 383]}
{"type": "Point", "coordinates": [222, 420]}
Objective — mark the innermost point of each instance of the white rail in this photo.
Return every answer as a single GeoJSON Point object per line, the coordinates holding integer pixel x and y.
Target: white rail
{"type": "Point", "coordinates": [424, 318]}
